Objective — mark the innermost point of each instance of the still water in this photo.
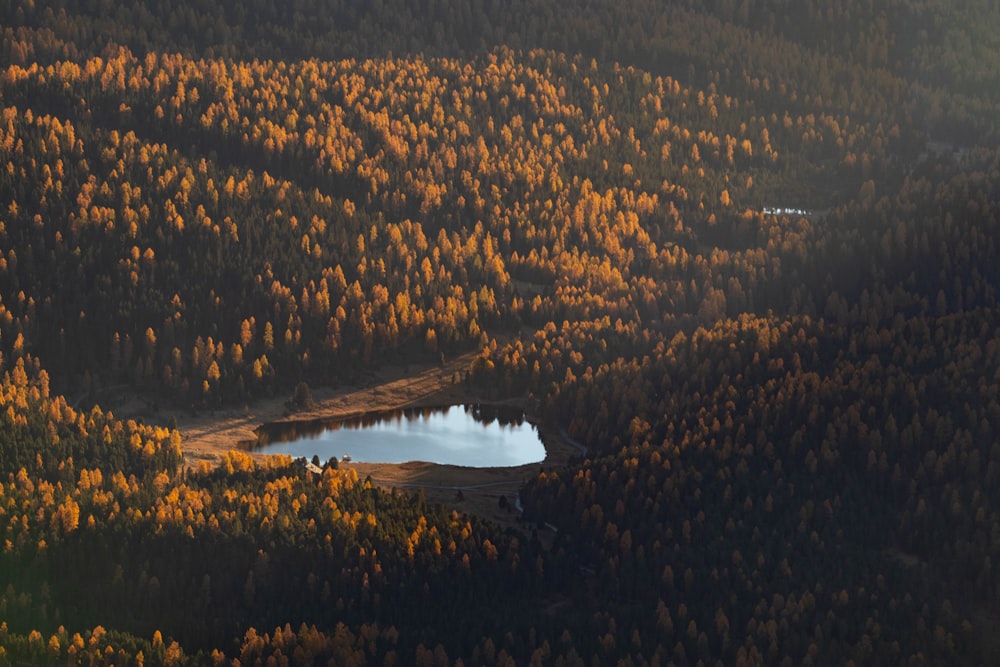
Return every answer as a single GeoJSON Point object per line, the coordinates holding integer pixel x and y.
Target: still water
{"type": "Point", "coordinates": [478, 436]}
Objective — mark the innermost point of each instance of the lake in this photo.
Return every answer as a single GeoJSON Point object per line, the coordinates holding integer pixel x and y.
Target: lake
{"type": "Point", "coordinates": [479, 436]}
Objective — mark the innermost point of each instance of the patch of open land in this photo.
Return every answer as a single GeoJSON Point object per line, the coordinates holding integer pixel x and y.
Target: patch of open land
{"type": "Point", "coordinates": [208, 435]}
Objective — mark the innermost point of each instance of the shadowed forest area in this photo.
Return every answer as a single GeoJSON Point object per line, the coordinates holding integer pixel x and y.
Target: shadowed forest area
{"type": "Point", "coordinates": [743, 251]}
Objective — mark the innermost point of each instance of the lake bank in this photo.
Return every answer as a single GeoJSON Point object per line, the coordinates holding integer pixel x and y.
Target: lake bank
{"type": "Point", "coordinates": [207, 436]}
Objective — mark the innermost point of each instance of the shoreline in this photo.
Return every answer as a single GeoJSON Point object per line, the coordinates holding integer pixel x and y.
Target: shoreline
{"type": "Point", "coordinates": [208, 435]}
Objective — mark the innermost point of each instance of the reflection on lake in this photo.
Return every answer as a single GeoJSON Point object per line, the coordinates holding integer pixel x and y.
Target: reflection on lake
{"type": "Point", "coordinates": [481, 436]}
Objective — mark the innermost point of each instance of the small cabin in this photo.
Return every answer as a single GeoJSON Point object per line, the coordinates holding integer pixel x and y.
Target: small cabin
{"type": "Point", "coordinates": [309, 466]}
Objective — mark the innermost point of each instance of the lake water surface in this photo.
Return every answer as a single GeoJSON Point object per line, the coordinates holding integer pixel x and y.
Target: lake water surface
{"type": "Point", "coordinates": [472, 435]}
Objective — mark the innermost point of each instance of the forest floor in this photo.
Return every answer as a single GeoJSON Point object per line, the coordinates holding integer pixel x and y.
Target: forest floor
{"type": "Point", "coordinates": [208, 435]}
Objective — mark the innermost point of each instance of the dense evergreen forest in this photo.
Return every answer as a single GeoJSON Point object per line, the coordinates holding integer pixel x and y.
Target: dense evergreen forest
{"type": "Point", "coordinates": [746, 251]}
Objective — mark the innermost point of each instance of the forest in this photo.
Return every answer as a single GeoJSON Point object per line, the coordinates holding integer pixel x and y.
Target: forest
{"type": "Point", "coordinates": [746, 251]}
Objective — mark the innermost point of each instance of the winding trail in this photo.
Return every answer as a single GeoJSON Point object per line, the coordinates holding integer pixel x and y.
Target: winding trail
{"type": "Point", "coordinates": [570, 441]}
